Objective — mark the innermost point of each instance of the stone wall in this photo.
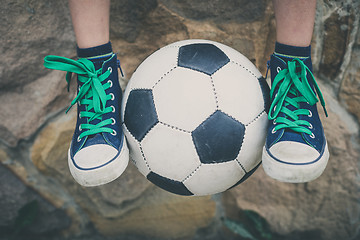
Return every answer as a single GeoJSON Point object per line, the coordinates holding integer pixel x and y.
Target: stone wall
{"type": "Point", "coordinates": [40, 200]}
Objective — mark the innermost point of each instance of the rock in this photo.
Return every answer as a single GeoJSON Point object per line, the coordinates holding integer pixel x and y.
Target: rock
{"type": "Point", "coordinates": [31, 30]}
{"type": "Point", "coordinates": [218, 11]}
{"type": "Point", "coordinates": [350, 88]}
{"type": "Point", "coordinates": [337, 36]}
{"type": "Point", "coordinates": [161, 27]}
{"type": "Point", "coordinates": [127, 18]}
{"type": "Point", "coordinates": [255, 40]}
{"type": "Point", "coordinates": [49, 151]}
{"type": "Point", "coordinates": [24, 211]}
{"type": "Point", "coordinates": [179, 217]}
{"type": "Point", "coordinates": [22, 113]}
{"type": "Point", "coordinates": [320, 207]}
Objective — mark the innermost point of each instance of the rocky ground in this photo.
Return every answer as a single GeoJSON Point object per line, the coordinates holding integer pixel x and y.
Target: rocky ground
{"type": "Point", "coordinates": [40, 200]}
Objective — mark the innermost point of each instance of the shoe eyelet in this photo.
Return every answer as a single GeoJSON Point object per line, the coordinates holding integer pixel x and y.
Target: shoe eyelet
{"type": "Point", "coordinates": [310, 114]}
{"type": "Point", "coordinates": [112, 96]}
{"type": "Point", "coordinates": [278, 69]}
{"type": "Point", "coordinates": [80, 129]}
{"type": "Point", "coordinates": [274, 108]}
{"type": "Point", "coordinates": [310, 126]}
{"type": "Point", "coordinates": [113, 133]}
{"type": "Point", "coordinates": [110, 69]}
{"type": "Point", "coordinates": [273, 131]}
{"type": "Point", "coordinates": [113, 108]}
{"type": "Point", "coordinates": [312, 135]}
{"type": "Point", "coordinates": [274, 122]}
{"type": "Point", "coordinates": [80, 115]}
{"type": "Point", "coordinates": [113, 121]}
{"type": "Point", "coordinates": [111, 83]}
{"type": "Point", "coordinates": [78, 139]}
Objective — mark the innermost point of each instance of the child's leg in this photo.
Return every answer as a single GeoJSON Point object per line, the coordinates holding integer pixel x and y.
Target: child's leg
{"type": "Point", "coordinates": [294, 21]}
{"type": "Point", "coordinates": [295, 148]}
{"type": "Point", "coordinates": [90, 20]}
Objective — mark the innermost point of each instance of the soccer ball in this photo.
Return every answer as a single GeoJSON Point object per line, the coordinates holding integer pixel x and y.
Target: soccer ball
{"type": "Point", "coordinates": [195, 115]}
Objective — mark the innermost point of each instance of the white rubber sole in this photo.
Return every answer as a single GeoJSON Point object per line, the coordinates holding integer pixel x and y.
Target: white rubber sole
{"type": "Point", "coordinates": [294, 173]}
{"type": "Point", "coordinates": [102, 175]}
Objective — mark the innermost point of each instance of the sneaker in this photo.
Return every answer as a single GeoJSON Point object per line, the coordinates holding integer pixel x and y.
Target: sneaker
{"type": "Point", "coordinates": [98, 153]}
{"type": "Point", "coordinates": [295, 149]}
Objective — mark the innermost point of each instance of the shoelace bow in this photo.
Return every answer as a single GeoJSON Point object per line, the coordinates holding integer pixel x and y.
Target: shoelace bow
{"type": "Point", "coordinates": [294, 83]}
{"type": "Point", "coordinates": [91, 93]}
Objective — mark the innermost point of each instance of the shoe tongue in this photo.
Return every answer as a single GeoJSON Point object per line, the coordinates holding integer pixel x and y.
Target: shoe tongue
{"type": "Point", "coordinates": [292, 136]}
{"type": "Point", "coordinates": [98, 62]}
{"type": "Point", "coordinates": [281, 61]}
{"type": "Point", "coordinates": [95, 139]}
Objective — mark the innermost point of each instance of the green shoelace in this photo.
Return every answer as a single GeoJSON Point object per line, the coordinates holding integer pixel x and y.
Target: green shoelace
{"type": "Point", "coordinates": [91, 93]}
{"type": "Point", "coordinates": [293, 81]}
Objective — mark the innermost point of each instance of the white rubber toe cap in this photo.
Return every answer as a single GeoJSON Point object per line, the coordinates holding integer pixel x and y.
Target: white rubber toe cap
{"type": "Point", "coordinates": [98, 164]}
{"type": "Point", "coordinates": [294, 162]}
{"type": "Point", "coordinates": [94, 156]}
{"type": "Point", "coordinates": [294, 152]}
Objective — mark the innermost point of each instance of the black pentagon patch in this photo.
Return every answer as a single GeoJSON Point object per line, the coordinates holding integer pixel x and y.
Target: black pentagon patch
{"type": "Point", "coordinates": [168, 184]}
{"type": "Point", "coordinates": [219, 138]}
{"type": "Point", "coordinates": [140, 113]}
{"type": "Point", "coordinates": [265, 92]}
{"type": "Point", "coordinates": [203, 57]}
{"type": "Point", "coordinates": [246, 176]}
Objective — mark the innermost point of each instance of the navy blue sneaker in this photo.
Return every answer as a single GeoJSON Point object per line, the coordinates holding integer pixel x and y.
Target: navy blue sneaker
{"type": "Point", "coordinates": [295, 149]}
{"type": "Point", "coordinates": [98, 152]}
